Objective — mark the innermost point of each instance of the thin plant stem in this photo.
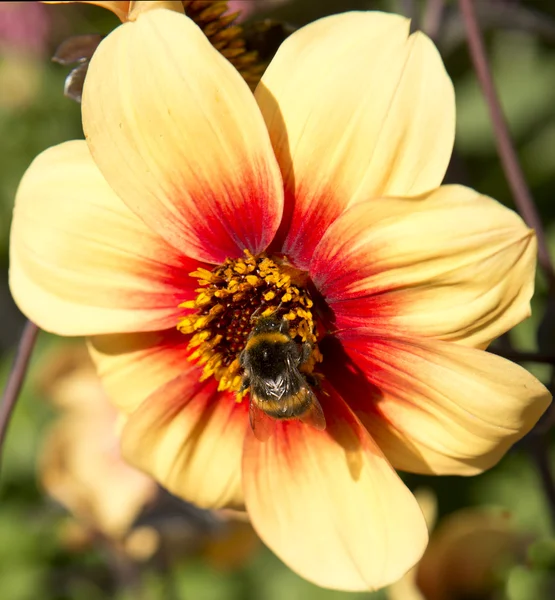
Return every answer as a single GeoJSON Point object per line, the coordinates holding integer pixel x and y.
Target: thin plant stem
{"type": "Point", "coordinates": [507, 153]}
{"type": "Point", "coordinates": [16, 378]}
{"type": "Point", "coordinates": [526, 207]}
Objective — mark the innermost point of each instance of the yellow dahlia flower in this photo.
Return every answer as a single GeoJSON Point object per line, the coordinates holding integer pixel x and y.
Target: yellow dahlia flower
{"type": "Point", "coordinates": [194, 204]}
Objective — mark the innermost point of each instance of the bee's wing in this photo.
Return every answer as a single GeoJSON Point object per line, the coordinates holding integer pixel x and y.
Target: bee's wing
{"type": "Point", "coordinates": [262, 425]}
{"type": "Point", "coordinates": [314, 416]}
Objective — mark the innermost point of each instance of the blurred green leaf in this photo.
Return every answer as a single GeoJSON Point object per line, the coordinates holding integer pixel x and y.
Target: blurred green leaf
{"type": "Point", "coordinates": [515, 485]}
{"type": "Point", "coordinates": [541, 554]}
{"type": "Point", "coordinates": [524, 584]}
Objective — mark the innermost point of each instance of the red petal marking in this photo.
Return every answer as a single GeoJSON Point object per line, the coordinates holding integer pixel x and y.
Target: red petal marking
{"type": "Point", "coordinates": [134, 365]}
{"type": "Point", "coordinates": [374, 313]}
{"type": "Point", "coordinates": [189, 436]}
{"type": "Point", "coordinates": [215, 224]}
{"type": "Point", "coordinates": [348, 378]}
{"type": "Point", "coordinates": [341, 279]}
{"type": "Point", "coordinates": [175, 277]}
{"type": "Point", "coordinates": [305, 220]}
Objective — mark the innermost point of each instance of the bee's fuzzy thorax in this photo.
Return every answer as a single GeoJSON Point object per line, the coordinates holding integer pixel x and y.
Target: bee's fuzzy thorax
{"type": "Point", "coordinates": [268, 337]}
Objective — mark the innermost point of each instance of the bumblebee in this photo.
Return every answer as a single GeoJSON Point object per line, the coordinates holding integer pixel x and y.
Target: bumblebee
{"type": "Point", "coordinates": [278, 390]}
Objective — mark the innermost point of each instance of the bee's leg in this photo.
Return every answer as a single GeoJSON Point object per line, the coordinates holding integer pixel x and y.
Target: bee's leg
{"type": "Point", "coordinates": [245, 384]}
{"type": "Point", "coordinates": [313, 380]}
{"type": "Point", "coordinates": [306, 349]}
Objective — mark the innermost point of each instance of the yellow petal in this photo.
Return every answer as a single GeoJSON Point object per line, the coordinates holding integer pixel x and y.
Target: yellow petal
{"type": "Point", "coordinates": [133, 366]}
{"type": "Point", "coordinates": [453, 265]}
{"type": "Point", "coordinates": [81, 262]}
{"type": "Point", "coordinates": [356, 109]}
{"type": "Point", "coordinates": [178, 135]}
{"type": "Point", "coordinates": [436, 407]}
{"type": "Point", "coordinates": [180, 430]}
{"type": "Point", "coordinates": [329, 504]}
{"type": "Point", "coordinates": [406, 588]}
{"type": "Point", "coordinates": [189, 437]}
{"type": "Point", "coordinates": [140, 7]}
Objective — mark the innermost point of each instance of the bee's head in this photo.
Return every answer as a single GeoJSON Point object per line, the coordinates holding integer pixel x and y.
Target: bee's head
{"type": "Point", "coordinates": [270, 324]}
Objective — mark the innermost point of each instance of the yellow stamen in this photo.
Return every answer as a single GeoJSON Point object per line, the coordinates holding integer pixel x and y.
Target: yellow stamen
{"type": "Point", "coordinates": [226, 36]}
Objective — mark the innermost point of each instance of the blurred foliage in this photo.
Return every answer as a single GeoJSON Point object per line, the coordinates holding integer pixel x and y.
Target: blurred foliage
{"type": "Point", "coordinates": [34, 115]}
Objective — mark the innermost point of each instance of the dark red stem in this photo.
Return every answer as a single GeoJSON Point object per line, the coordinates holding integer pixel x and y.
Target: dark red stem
{"type": "Point", "coordinates": [507, 153]}
{"type": "Point", "coordinates": [16, 377]}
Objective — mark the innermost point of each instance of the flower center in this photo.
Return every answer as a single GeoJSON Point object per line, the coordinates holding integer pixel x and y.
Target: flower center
{"type": "Point", "coordinates": [229, 300]}
{"type": "Point", "coordinates": [227, 36]}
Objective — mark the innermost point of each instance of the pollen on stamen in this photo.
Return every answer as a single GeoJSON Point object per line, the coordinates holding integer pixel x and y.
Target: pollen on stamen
{"type": "Point", "coordinates": [227, 36]}
{"type": "Point", "coordinates": [227, 299]}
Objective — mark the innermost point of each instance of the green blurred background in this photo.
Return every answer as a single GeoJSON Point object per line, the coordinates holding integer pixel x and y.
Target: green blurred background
{"type": "Point", "coordinates": [34, 560]}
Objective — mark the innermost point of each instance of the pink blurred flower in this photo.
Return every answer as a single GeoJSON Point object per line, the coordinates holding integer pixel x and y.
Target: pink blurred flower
{"type": "Point", "coordinates": [248, 7]}
{"type": "Point", "coordinates": [24, 26]}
